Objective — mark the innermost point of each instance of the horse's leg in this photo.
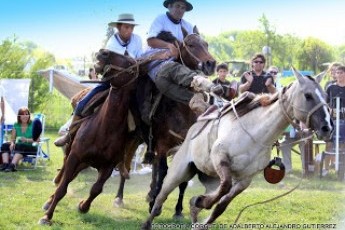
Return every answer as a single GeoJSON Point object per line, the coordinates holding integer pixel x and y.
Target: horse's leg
{"type": "Point", "coordinates": [179, 172]}
{"type": "Point", "coordinates": [162, 172]}
{"type": "Point", "coordinates": [179, 205]}
{"type": "Point", "coordinates": [210, 184]}
{"type": "Point", "coordinates": [222, 166]}
{"type": "Point", "coordinates": [130, 150]}
{"type": "Point", "coordinates": [50, 200]}
{"type": "Point", "coordinates": [118, 202]}
{"type": "Point", "coordinates": [238, 187]}
{"type": "Point", "coordinates": [58, 177]}
{"type": "Point", "coordinates": [154, 175]}
{"type": "Point", "coordinates": [68, 174]}
{"type": "Point", "coordinates": [103, 175]}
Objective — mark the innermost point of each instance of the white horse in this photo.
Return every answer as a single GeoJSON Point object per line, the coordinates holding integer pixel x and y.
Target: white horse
{"type": "Point", "coordinates": [234, 148]}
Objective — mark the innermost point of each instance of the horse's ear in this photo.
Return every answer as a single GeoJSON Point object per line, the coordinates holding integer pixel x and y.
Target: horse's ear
{"type": "Point", "coordinates": [298, 75]}
{"type": "Point", "coordinates": [196, 30]}
{"type": "Point", "coordinates": [318, 78]}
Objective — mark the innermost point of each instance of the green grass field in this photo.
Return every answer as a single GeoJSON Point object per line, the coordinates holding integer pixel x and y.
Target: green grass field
{"type": "Point", "coordinates": [23, 193]}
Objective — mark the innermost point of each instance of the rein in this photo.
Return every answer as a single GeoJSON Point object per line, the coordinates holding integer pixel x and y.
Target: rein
{"type": "Point", "coordinates": [188, 51]}
{"type": "Point", "coordinates": [291, 120]}
{"type": "Point", "coordinates": [132, 70]}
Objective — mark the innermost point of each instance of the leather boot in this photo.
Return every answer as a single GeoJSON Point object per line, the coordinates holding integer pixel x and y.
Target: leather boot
{"type": "Point", "coordinates": [198, 104]}
{"type": "Point", "coordinates": [61, 141]}
{"type": "Point", "coordinates": [201, 83]}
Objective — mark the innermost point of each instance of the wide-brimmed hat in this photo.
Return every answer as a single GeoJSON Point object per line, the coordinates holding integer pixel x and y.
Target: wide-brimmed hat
{"type": "Point", "coordinates": [189, 5]}
{"type": "Point", "coordinates": [124, 19]}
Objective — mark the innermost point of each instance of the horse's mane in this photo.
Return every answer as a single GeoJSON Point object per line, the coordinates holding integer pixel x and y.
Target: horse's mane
{"type": "Point", "coordinates": [167, 36]}
{"type": "Point", "coordinates": [260, 100]}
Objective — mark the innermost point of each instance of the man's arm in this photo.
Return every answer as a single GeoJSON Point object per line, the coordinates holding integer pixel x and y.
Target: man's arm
{"type": "Point", "coordinates": [246, 82]}
{"type": "Point", "coordinates": [270, 86]}
{"type": "Point", "coordinates": [158, 43]}
{"type": "Point", "coordinates": [244, 87]}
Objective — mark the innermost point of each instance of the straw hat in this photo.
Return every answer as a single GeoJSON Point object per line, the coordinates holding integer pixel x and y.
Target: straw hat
{"type": "Point", "coordinates": [124, 19]}
{"type": "Point", "coordinates": [189, 6]}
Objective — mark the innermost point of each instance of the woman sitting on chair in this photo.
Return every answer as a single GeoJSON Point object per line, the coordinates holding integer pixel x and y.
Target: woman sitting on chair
{"type": "Point", "coordinates": [21, 141]}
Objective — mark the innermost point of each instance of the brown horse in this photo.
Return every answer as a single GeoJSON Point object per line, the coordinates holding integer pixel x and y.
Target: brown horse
{"type": "Point", "coordinates": [171, 121]}
{"type": "Point", "coordinates": [101, 138]}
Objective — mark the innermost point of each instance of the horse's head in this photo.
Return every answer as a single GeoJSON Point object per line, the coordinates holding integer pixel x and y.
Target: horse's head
{"type": "Point", "coordinates": [308, 103]}
{"type": "Point", "coordinates": [115, 67]}
{"type": "Point", "coordinates": [195, 55]}
{"type": "Point", "coordinates": [193, 52]}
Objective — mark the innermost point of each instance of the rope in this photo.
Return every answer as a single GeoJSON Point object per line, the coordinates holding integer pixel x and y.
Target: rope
{"type": "Point", "coordinates": [129, 70]}
{"type": "Point", "coordinates": [269, 200]}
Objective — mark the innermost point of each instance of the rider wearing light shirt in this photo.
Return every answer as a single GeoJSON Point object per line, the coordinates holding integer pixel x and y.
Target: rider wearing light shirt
{"type": "Point", "coordinates": [171, 78]}
{"type": "Point", "coordinates": [123, 42]}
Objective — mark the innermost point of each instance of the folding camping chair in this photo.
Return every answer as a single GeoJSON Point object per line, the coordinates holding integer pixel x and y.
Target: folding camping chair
{"type": "Point", "coordinates": [38, 156]}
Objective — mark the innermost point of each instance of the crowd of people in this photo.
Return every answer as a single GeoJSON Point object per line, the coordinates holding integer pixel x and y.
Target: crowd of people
{"type": "Point", "coordinates": [173, 79]}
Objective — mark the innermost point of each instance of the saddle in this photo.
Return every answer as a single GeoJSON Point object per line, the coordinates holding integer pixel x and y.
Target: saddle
{"type": "Point", "coordinates": [213, 113]}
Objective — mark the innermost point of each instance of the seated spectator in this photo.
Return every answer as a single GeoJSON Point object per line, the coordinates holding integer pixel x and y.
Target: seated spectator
{"type": "Point", "coordinates": [21, 140]}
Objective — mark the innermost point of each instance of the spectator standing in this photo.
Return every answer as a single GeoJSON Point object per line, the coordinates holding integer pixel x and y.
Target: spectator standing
{"type": "Point", "coordinates": [257, 80]}
{"type": "Point", "coordinates": [230, 88]}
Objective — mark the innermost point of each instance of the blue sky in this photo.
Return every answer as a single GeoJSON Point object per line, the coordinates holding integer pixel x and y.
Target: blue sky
{"type": "Point", "coordinates": [77, 27]}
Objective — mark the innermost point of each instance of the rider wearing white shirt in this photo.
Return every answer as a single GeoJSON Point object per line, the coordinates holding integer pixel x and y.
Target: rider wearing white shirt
{"type": "Point", "coordinates": [165, 22]}
{"type": "Point", "coordinates": [133, 46]}
{"type": "Point", "coordinates": [123, 42]}
{"type": "Point", "coordinates": [173, 79]}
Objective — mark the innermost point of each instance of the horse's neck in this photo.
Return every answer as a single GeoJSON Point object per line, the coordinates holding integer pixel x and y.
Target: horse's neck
{"type": "Point", "coordinates": [267, 122]}
{"type": "Point", "coordinates": [115, 107]}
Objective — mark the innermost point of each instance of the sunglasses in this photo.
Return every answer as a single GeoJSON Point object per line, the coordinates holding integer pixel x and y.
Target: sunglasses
{"type": "Point", "coordinates": [273, 72]}
{"type": "Point", "coordinates": [256, 62]}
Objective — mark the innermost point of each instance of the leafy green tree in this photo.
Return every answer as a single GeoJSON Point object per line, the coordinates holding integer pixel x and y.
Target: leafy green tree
{"type": "Point", "coordinates": [313, 53]}
{"type": "Point", "coordinates": [13, 59]}
{"type": "Point", "coordinates": [39, 88]}
{"type": "Point", "coordinates": [23, 60]}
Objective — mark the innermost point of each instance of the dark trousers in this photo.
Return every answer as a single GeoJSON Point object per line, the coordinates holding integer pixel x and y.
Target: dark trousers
{"type": "Point", "coordinates": [174, 80]}
{"type": "Point", "coordinates": [82, 103]}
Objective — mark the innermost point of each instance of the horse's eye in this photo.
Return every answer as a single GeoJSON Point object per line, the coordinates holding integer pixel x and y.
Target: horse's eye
{"type": "Point", "coordinates": [308, 96]}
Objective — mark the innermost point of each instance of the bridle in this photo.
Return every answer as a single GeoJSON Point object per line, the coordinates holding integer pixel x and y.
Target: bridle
{"type": "Point", "coordinates": [195, 58]}
{"type": "Point", "coordinates": [282, 99]}
{"type": "Point", "coordinates": [132, 70]}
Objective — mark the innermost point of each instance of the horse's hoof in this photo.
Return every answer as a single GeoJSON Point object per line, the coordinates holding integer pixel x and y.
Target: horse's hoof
{"type": "Point", "coordinates": [118, 203]}
{"type": "Point", "coordinates": [178, 216]}
{"type": "Point", "coordinates": [146, 226]}
{"type": "Point", "coordinates": [44, 221]}
{"type": "Point", "coordinates": [46, 206]}
{"type": "Point", "coordinates": [81, 209]}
